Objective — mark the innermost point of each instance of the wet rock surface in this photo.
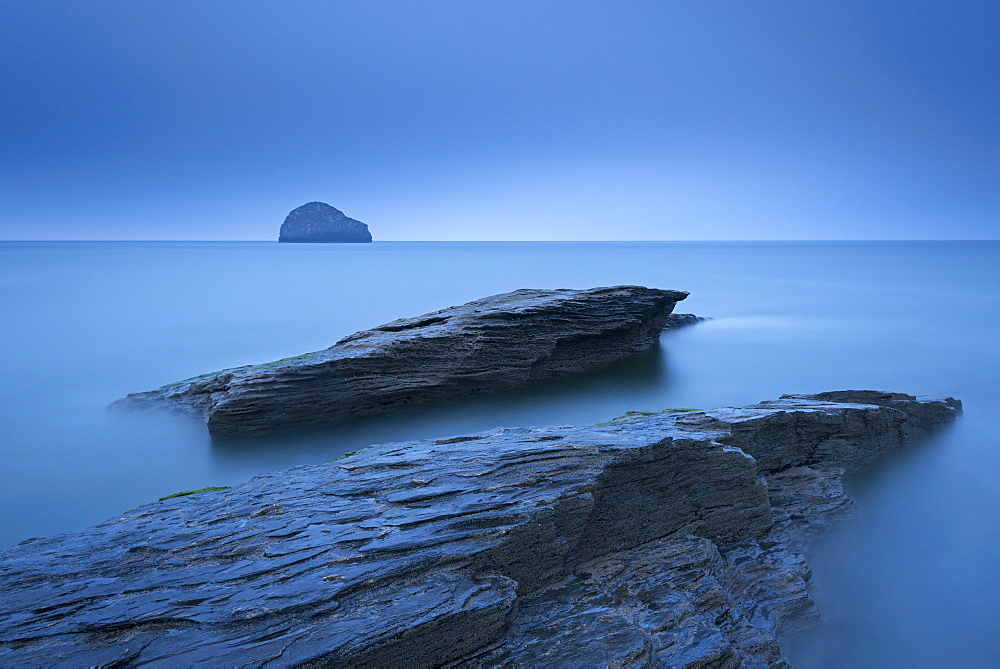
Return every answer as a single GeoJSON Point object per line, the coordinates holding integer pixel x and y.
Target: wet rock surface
{"type": "Point", "coordinates": [663, 540]}
{"type": "Point", "coordinates": [319, 222]}
{"type": "Point", "coordinates": [496, 343]}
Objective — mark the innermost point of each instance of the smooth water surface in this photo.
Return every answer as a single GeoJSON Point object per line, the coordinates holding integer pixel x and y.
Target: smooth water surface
{"type": "Point", "coordinates": [910, 582]}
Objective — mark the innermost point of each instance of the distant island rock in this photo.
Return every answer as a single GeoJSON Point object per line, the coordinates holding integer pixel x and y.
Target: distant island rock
{"type": "Point", "coordinates": [319, 222]}
{"type": "Point", "coordinates": [495, 343]}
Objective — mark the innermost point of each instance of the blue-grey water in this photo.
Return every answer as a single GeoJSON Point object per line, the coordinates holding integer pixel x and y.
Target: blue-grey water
{"type": "Point", "coordinates": [912, 581]}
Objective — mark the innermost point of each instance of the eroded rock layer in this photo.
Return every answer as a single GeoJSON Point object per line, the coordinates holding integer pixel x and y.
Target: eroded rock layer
{"type": "Point", "coordinates": [669, 539]}
{"type": "Point", "coordinates": [495, 343]}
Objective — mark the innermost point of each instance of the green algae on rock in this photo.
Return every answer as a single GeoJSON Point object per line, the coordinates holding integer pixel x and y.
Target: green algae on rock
{"type": "Point", "coordinates": [185, 493]}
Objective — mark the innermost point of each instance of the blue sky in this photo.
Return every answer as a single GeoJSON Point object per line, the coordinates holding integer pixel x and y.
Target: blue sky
{"type": "Point", "coordinates": [501, 120]}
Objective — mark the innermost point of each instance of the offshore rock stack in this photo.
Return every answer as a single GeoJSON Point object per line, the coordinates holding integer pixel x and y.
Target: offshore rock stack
{"type": "Point", "coordinates": [670, 539]}
{"type": "Point", "coordinates": [496, 343]}
{"type": "Point", "coordinates": [319, 222]}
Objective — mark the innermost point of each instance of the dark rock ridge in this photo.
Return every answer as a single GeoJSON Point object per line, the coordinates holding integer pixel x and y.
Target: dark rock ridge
{"type": "Point", "coordinates": [496, 343]}
{"type": "Point", "coordinates": [680, 320]}
{"type": "Point", "coordinates": [664, 540]}
{"type": "Point", "coordinates": [319, 222]}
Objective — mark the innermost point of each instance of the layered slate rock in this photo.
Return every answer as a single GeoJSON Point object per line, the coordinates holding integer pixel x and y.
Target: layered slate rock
{"type": "Point", "coordinates": [319, 222]}
{"type": "Point", "coordinates": [496, 343]}
{"type": "Point", "coordinates": [664, 540]}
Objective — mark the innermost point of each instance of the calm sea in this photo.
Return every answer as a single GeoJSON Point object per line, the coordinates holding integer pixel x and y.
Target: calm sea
{"type": "Point", "coordinates": [913, 581]}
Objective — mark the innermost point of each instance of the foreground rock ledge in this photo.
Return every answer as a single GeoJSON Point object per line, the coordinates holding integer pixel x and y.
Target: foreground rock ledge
{"type": "Point", "coordinates": [663, 540]}
{"type": "Point", "coordinates": [495, 343]}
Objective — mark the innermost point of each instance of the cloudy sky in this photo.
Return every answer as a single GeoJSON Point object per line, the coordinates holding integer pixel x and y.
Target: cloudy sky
{"type": "Point", "coordinates": [537, 120]}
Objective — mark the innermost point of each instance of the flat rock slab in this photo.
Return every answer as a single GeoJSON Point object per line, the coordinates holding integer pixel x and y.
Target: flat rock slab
{"type": "Point", "coordinates": [496, 343]}
{"type": "Point", "coordinates": [669, 539]}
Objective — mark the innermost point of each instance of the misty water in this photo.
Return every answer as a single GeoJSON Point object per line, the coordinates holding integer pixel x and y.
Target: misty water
{"type": "Point", "coordinates": [910, 581]}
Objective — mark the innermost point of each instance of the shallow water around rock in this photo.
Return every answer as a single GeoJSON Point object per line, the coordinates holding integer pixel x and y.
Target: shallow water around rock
{"type": "Point", "coordinates": [910, 581]}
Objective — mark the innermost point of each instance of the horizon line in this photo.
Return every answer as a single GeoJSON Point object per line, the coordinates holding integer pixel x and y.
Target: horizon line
{"type": "Point", "coordinates": [484, 241]}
